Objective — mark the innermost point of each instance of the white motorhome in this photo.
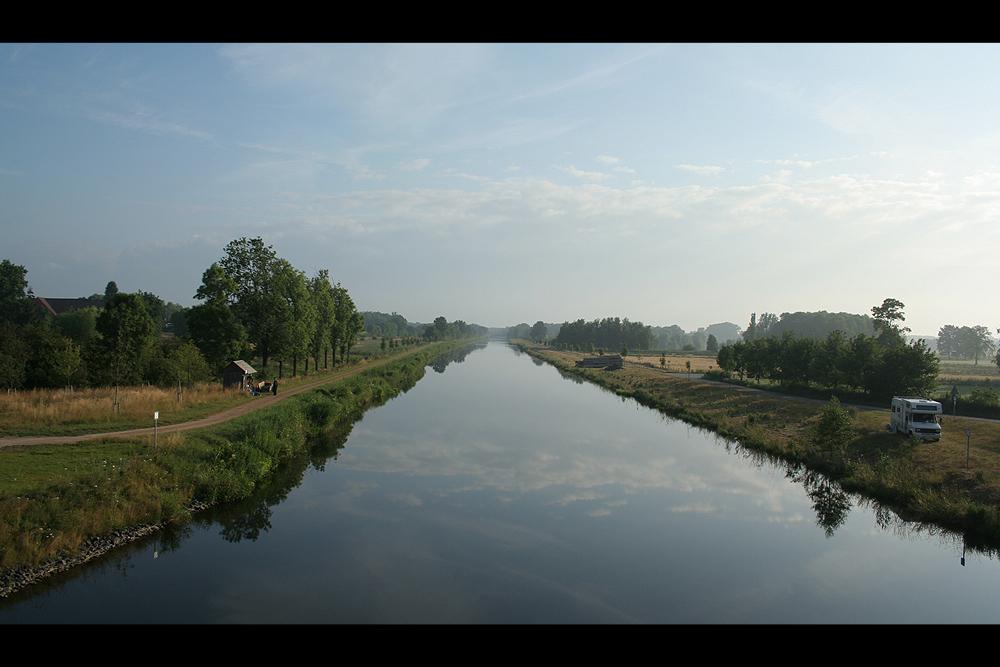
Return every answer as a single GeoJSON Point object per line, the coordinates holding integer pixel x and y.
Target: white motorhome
{"type": "Point", "coordinates": [912, 415]}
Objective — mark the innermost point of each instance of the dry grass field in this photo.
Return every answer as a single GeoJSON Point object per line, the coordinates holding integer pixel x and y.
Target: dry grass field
{"type": "Point", "coordinates": [63, 412]}
{"type": "Point", "coordinates": [60, 411]}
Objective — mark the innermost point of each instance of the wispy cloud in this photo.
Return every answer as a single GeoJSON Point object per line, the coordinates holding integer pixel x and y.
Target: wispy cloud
{"type": "Point", "coordinates": [416, 164]}
{"type": "Point", "coordinates": [707, 170]}
{"type": "Point", "coordinates": [586, 175]}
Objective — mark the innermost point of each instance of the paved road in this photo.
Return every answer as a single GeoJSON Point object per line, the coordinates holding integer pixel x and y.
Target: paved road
{"type": "Point", "coordinates": [211, 420]}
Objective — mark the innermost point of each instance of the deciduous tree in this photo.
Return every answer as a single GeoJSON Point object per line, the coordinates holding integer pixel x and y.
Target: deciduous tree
{"type": "Point", "coordinates": [126, 331]}
{"type": "Point", "coordinates": [257, 302]}
{"type": "Point", "coordinates": [887, 320]}
{"type": "Point", "coordinates": [976, 342]}
{"type": "Point", "coordinates": [16, 297]}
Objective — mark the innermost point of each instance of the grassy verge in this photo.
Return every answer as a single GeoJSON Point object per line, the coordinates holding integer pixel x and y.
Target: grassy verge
{"type": "Point", "coordinates": [53, 499]}
{"type": "Point", "coordinates": [64, 412]}
{"type": "Point", "coordinates": [924, 482]}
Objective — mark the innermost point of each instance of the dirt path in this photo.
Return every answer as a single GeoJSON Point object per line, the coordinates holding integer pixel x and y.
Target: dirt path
{"type": "Point", "coordinates": [211, 420]}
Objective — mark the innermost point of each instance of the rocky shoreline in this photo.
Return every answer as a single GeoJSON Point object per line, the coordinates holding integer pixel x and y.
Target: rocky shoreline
{"type": "Point", "coordinates": [19, 577]}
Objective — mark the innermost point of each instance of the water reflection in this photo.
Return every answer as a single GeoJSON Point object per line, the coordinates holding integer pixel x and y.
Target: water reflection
{"type": "Point", "coordinates": [829, 500]}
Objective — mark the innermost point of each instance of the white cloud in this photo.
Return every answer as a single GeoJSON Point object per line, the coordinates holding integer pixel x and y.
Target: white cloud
{"type": "Point", "coordinates": [707, 170]}
{"type": "Point", "coordinates": [586, 175]}
{"type": "Point", "coordinates": [415, 164]}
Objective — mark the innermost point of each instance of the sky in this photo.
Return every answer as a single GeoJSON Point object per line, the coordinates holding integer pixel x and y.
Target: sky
{"type": "Point", "coordinates": [686, 184]}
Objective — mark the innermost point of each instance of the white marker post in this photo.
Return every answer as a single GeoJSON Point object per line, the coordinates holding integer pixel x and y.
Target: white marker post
{"type": "Point", "coordinates": [156, 420]}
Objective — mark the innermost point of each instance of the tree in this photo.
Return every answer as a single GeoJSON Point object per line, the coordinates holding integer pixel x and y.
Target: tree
{"type": "Point", "coordinates": [712, 344]}
{"type": "Point", "coordinates": [188, 364]}
{"type": "Point", "coordinates": [760, 328]}
{"type": "Point", "coordinates": [831, 355]}
{"type": "Point", "coordinates": [213, 326]}
{"type": "Point", "coordinates": [795, 358]}
{"type": "Point", "coordinates": [79, 325]}
{"type": "Point", "coordinates": [835, 429]}
{"type": "Point", "coordinates": [218, 336]}
{"type": "Point", "coordinates": [53, 359]}
{"type": "Point", "coordinates": [178, 322]}
{"type": "Point", "coordinates": [16, 297]}
{"type": "Point", "coordinates": [343, 308]}
{"type": "Point", "coordinates": [539, 331]}
{"type": "Point", "coordinates": [355, 325]}
{"type": "Point", "coordinates": [216, 286]}
{"type": "Point", "coordinates": [948, 343]}
{"type": "Point", "coordinates": [900, 370]}
{"type": "Point", "coordinates": [297, 335]}
{"type": "Point", "coordinates": [886, 317]}
{"type": "Point", "coordinates": [110, 290]}
{"type": "Point", "coordinates": [126, 331]}
{"type": "Point", "coordinates": [976, 341]}
{"type": "Point", "coordinates": [256, 300]}
{"type": "Point", "coordinates": [321, 294]}
{"type": "Point", "coordinates": [13, 355]}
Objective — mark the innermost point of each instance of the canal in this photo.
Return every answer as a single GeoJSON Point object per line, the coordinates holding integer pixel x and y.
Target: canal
{"type": "Point", "coordinates": [498, 490]}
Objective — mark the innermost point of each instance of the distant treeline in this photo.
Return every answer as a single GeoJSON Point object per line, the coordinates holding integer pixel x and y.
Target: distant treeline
{"type": "Point", "coordinates": [383, 325]}
{"type": "Point", "coordinates": [880, 365]}
{"type": "Point", "coordinates": [663, 338]}
{"type": "Point", "coordinates": [256, 307]}
{"type": "Point", "coordinates": [860, 363]}
{"type": "Point", "coordinates": [814, 324]}
{"type": "Point", "coordinates": [966, 343]}
{"type": "Point", "coordinates": [442, 329]}
{"type": "Point", "coordinates": [610, 334]}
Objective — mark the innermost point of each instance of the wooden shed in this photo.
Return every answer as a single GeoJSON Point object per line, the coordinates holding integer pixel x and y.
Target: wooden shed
{"type": "Point", "coordinates": [237, 374]}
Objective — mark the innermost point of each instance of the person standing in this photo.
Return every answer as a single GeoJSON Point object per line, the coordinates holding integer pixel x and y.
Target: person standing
{"type": "Point", "coordinates": [274, 387]}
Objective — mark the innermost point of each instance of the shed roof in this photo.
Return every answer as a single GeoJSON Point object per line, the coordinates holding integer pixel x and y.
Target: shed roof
{"type": "Point", "coordinates": [241, 365]}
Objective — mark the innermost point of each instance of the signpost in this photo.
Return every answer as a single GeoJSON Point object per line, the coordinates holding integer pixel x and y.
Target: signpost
{"type": "Point", "coordinates": [156, 421]}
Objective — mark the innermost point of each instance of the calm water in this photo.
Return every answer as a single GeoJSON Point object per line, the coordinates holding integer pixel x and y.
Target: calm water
{"type": "Point", "coordinates": [497, 490]}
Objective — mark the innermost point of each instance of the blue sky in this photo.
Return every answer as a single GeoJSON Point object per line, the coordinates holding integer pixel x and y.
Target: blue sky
{"type": "Point", "coordinates": [683, 184]}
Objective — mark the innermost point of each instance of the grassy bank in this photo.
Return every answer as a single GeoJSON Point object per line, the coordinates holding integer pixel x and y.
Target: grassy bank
{"type": "Point", "coordinates": [55, 498]}
{"type": "Point", "coordinates": [921, 481]}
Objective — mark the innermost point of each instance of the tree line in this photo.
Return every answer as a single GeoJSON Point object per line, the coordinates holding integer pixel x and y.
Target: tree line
{"type": "Point", "coordinates": [90, 346]}
{"type": "Point", "coordinates": [442, 329]}
{"type": "Point", "coordinates": [966, 343]}
{"type": "Point", "coordinates": [881, 365]}
{"type": "Point", "coordinates": [255, 305]}
{"type": "Point", "coordinates": [813, 324]}
{"type": "Point", "coordinates": [254, 298]}
{"type": "Point", "coordinates": [610, 334]}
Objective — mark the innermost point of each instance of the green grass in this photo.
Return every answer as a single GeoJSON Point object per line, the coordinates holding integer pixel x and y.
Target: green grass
{"type": "Point", "coordinates": [967, 368]}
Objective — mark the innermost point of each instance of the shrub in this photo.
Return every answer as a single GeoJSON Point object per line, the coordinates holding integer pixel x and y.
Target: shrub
{"type": "Point", "coordinates": [835, 428]}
